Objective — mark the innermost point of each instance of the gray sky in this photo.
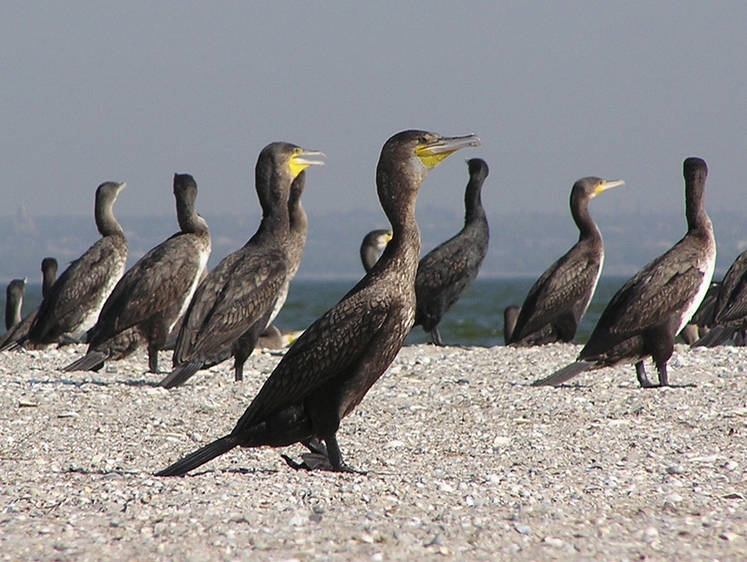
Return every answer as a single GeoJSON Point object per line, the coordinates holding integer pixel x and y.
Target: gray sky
{"type": "Point", "coordinates": [135, 91]}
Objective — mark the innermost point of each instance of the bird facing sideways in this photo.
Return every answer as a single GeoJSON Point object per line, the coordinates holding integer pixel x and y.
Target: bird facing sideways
{"type": "Point", "coordinates": [233, 304]}
{"type": "Point", "coordinates": [445, 272]}
{"type": "Point", "coordinates": [153, 294]}
{"type": "Point", "coordinates": [646, 314]}
{"type": "Point", "coordinates": [73, 303]}
{"type": "Point", "coordinates": [560, 297]}
{"type": "Point", "coordinates": [333, 364]}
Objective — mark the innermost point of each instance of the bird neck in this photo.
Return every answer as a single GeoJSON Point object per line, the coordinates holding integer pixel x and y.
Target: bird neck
{"type": "Point", "coordinates": [299, 222]}
{"type": "Point", "coordinates": [48, 279]}
{"type": "Point", "coordinates": [473, 202]}
{"type": "Point", "coordinates": [13, 311]}
{"type": "Point", "coordinates": [697, 218]}
{"type": "Point", "coordinates": [587, 228]}
{"type": "Point", "coordinates": [189, 220]}
{"type": "Point", "coordinates": [106, 222]}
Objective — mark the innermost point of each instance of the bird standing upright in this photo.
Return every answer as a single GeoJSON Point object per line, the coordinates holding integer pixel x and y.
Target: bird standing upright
{"type": "Point", "coordinates": [333, 364]}
{"type": "Point", "coordinates": [646, 314]}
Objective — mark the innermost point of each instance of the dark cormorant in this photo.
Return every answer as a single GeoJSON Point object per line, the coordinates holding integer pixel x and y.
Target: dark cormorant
{"type": "Point", "coordinates": [730, 308]}
{"type": "Point", "coordinates": [73, 304]}
{"type": "Point", "coordinates": [20, 331]}
{"type": "Point", "coordinates": [153, 294]}
{"type": "Point", "coordinates": [447, 270]}
{"type": "Point", "coordinates": [14, 302]}
{"type": "Point", "coordinates": [329, 369]}
{"type": "Point", "coordinates": [232, 306]}
{"type": "Point", "coordinates": [646, 314]}
{"type": "Point", "coordinates": [560, 297]}
{"type": "Point", "coordinates": [373, 245]}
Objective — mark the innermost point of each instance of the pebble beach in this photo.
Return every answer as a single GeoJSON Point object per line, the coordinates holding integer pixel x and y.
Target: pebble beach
{"type": "Point", "coordinates": [463, 460]}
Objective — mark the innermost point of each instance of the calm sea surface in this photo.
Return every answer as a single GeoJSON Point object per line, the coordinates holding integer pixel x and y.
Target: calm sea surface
{"type": "Point", "coordinates": [477, 319]}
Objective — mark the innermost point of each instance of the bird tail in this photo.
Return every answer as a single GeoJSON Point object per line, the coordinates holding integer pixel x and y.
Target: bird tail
{"type": "Point", "coordinates": [715, 336]}
{"type": "Point", "coordinates": [91, 361]}
{"type": "Point", "coordinates": [180, 374]}
{"type": "Point", "coordinates": [200, 457]}
{"type": "Point", "coordinates": [10, 345]}
{"type": "Point", "coordinates": [565, 374]}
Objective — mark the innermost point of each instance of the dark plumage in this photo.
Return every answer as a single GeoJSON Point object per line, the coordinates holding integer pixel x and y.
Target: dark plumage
{"type": "Point", "coordinates": [373, 245]}
{"type": "Point", "coordinates": [447, 270]}
{"type": "Point", "coordinates": [73, 303]}
{"type": "Point", "coordinates": [730, 307]}
{"type": "Point", "coordinates": [510, 316]}
{"type": "Point", "coordinates": [152, 295]}
{"type": "Point", "coordinates": [559, 298]}
{"type": "Point", "coordinates": [232, 306]}
{"type": "Point", "coordinates": [330, 368]}
{"type": "Point", "coordinates": [19, 332]}
{"type": "Point", "coordinates": [646, 314]}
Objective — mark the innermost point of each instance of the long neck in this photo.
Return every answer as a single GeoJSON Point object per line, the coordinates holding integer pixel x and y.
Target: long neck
{"type": "Point", "coordinates": [472, 201]}
{"type": "Point", "coordinates": [299, 222]}
{"type": "Point", "coordinates": [189, 220]}
{"type": "Point", "coordinates": [587, 228]}
{"type": "Point", "coordinates": [49, 276]}
{"type": "Point", "coordinates": [404, 247]}
{"type": "Point", "coordinates": [105, 220]}
{"type": "Point", "coordinates": [697, 218]}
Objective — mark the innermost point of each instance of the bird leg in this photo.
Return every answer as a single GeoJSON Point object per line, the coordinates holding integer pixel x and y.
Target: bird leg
{"type": "Point", "coordinates": [640, 372]}
{"type": "Point", "coordinates": [436, 336]}
{"type": "Point", "coordinates": [321, 457]}
{"type": "Point", "coordinates": [663, 379]}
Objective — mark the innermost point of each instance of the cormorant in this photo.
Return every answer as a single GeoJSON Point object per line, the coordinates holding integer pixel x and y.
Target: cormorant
{"type": "Point", "coordinates": [333, 364]}
{"type": "Point", "coordinates": [373, 245]}
{"type": "Point", "coordinates": [702, 320]}
{"type": "Point", "coordinates": [447, 270]}
{"type": "Point", "coordinates": [232, 306]}
{"type": "Point", "coordinates": [20, 331]}
{"type": "Point", "coordinates": [153, 294]}
{"type": "Point", "coordinates": [646, 314]}
{"type": "Point", "coordinates": [73, 303]}
{"type": "Point", "coordinates": [560, 297]}
{"type": "Point", "coordinates": [730, 308]}
{"type": "Point", "coordinates": [13, 302]}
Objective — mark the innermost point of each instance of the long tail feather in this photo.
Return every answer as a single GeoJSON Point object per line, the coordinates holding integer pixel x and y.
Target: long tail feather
{"type": "Point", "coordinates": [715, 336]}
{"type": "Point", "coordinates": [200, 457]}
{"type": "Point", "coordinates": [180, 374]}
{"type": "Point", "coordinates": [88, 362]}
{"type": "Point", "coordinates": [565, 374]}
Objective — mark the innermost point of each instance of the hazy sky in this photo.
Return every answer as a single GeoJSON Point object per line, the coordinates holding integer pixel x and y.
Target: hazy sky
{"type": "Point", "coordinates": [135, 91]}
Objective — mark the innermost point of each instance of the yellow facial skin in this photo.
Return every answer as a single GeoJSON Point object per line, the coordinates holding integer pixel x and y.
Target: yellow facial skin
{"type": "Point", "coordinates": [435, 149]}
{"type": "Point", "coordinates": [605, 185]}
{"type": "Point", "coordinates": [299, 161]}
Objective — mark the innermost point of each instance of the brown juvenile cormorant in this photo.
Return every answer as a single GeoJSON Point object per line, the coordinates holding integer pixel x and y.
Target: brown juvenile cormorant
{"type": "Point", "coordinates": [73, 304]}
{"type": "Point", "coordinates": [647, 313]}
{"type": "Point", "coordinates": [373, 245]}
{"type": "Point", "coordinates": [232, 306]}
{"type": "Point", "coordinates": [730, 308]}
{"type": "Point", "coordinates": [560, 297]}
{"type": "Point", "coordinates": [447, 270]}
{"type": "Point", "coordinates": [329, 369]}
{"type": "Point", "coordinates": [20, 331]}
{"type": "Point", "coordinates": [153, 294]}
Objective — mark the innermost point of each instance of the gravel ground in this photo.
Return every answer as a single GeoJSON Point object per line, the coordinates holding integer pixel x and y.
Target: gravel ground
{"type": "Point", "coordinates": [465, 461]}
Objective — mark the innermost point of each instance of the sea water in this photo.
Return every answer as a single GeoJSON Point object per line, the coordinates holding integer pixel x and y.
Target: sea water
{"type": "Point", "coordinates": [475, 320]}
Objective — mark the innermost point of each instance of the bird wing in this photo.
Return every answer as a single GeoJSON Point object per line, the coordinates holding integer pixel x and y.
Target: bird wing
{"type": "Point", "coordinates": [652, 296]}
{"type": "Point", "coordinates": [331, 345]}
{"type": "Point", "coordinates": [560, 288]}
{"type": "Point", "coordinates": [237, 293]}
{"type": "Point", "coordinates": [80, 283]}
{"type": "Point", "coordinates": [152, 285]}
{"type": "Point", "coordinates": [732, 299]}
{"type": "Point", "coordinates": [448, 269]}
